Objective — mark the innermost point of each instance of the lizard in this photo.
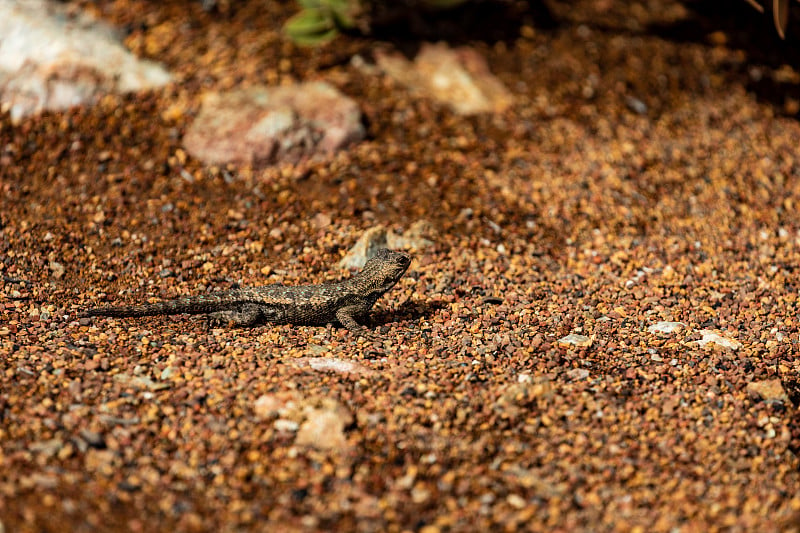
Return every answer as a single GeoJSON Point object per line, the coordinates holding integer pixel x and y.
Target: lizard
{"type": "Point", "coordinates": [341, 302]}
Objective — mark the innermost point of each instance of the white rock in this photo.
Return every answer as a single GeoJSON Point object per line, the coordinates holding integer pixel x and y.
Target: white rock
{"type": "Point", "coordinates": [50, 60]}
{"type": "Point", "coordinates": [576, 340]}
{"type": "Point", "coordinates": [666, 327]}
{"type": "Point", "coordinates": [712, 337]}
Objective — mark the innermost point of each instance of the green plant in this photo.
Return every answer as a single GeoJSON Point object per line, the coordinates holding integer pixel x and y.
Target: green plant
{"type": "Point", "coordinates": [321, 20]}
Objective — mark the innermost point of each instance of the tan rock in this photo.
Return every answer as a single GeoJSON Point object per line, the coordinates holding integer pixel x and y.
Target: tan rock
{"type": "Point", "coordinates": [459, 78]}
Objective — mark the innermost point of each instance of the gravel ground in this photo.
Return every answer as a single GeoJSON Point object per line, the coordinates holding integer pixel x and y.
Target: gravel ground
{"type": "Point", "coordinates": [647, 174]}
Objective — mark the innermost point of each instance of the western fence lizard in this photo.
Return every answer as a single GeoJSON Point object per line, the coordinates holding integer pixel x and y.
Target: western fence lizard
{"type": "Point", "coordinates": [322, 304]}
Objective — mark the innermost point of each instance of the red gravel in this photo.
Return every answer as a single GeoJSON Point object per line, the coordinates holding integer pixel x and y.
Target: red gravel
{"type": "Point", "coordinates": [570, 213]}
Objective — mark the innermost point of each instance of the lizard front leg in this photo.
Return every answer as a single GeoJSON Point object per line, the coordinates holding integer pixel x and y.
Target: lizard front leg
{"type": "Point", "coordinates": [346, 316]}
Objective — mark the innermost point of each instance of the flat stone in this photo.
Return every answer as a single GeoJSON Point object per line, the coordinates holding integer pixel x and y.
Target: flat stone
{"type": "Point", "coordinates": [578, 374]}
{"type": "Point", "coordinates": [576, 340]}
{"type": "Point", "coordinates": [666, 328]}
{"type": "Point", "coordinates": [419, 235]}
{"type": "Point", "coordinates": [366, 246]}
{"type": "Point", "coordinates": [769, 390]}
{"type": "Point", "coordinates": [333, 364]}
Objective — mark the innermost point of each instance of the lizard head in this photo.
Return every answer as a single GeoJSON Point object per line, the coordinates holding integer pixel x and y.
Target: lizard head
{"type": "Point", "coordinates": [385, 269]}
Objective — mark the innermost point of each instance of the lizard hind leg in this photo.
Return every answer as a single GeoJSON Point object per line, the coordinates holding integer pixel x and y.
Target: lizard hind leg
{"type": "Point", "coordinates": [247, 315]}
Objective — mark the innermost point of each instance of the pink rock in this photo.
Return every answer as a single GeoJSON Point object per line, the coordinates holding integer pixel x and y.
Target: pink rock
{"type": "Point", "coordinates": [265, 125]}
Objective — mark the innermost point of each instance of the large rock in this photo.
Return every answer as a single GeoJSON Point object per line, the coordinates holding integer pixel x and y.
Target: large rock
{"type": "Point", "coordinates": [265, 125]}
{"type": "Point", "coordinates": [50, 60]}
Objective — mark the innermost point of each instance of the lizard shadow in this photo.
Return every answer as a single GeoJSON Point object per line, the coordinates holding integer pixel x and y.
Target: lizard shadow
{"type": "Point", "coordinates": [408, 311]}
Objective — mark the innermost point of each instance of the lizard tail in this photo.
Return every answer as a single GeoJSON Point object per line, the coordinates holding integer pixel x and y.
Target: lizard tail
{"type": "Point", "coordinates": [193, 305]}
